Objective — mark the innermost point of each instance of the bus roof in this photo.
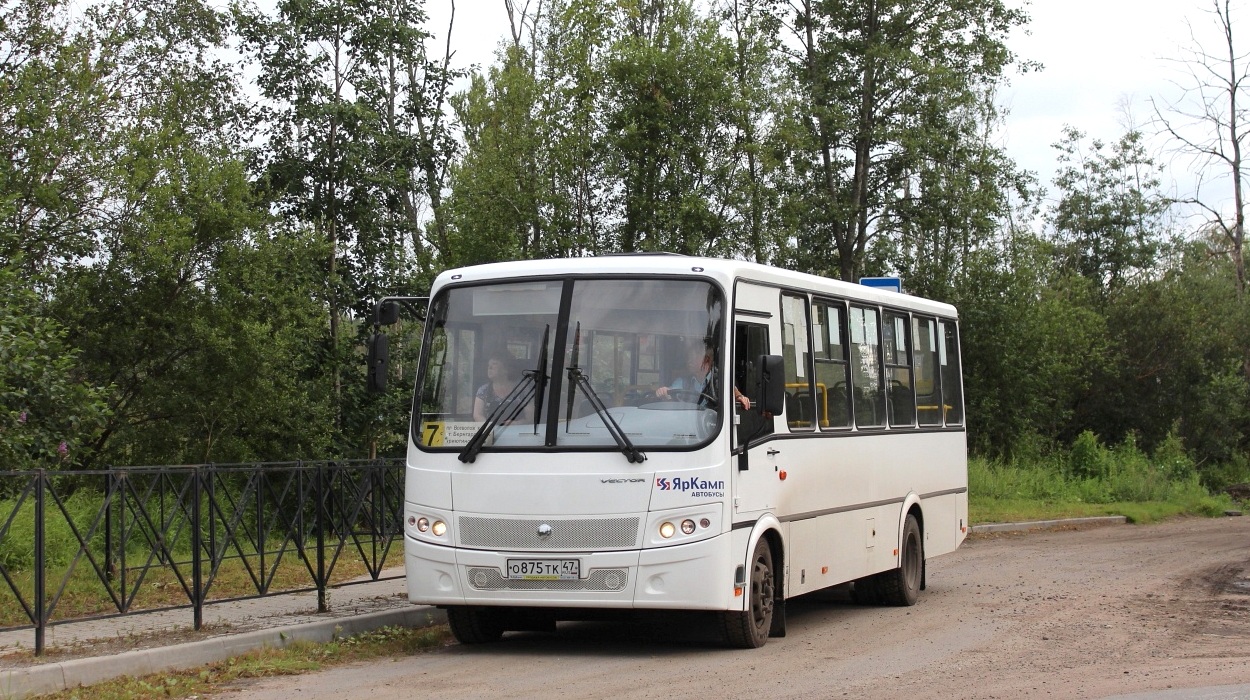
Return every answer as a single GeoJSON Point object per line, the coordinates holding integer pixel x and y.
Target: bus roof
{"type": "Point", "coordinates": [723, 270]}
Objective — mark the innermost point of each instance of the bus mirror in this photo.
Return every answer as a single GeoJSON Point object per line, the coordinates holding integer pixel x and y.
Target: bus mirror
{"type": "Point", "coordinates": [772, 384]}
{"type": "Point", "coordinates": [379, 362]}
{"type": "Point", "coordinates": [388, 313]}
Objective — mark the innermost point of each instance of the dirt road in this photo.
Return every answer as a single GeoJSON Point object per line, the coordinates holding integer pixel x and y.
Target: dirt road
{"type": "Point", "coordinates": [1065, 614]}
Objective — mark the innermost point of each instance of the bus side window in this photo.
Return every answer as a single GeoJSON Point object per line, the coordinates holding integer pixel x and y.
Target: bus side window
{"type": "Point", "coordinates": [902, 397]}
{"type": "Point", "coordinates": [869, 397]}
{"type": "Point", "coordinates": [952, 383]}
{"type": "Point", "coordinates": [832, 372]}
{"type": "Point", "coordinates": [750, 341]}
{"type": "Point", "coordinates": [800, 411]}
{"type": "Point", "coordinates": [928, 382]}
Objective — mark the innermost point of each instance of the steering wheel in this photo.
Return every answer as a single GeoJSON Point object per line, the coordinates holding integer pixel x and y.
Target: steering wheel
{"type": "Point", "coordinates": [696, 396]}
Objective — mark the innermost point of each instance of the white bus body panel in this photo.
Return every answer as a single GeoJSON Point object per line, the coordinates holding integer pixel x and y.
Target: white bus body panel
{"type": "Point", "coordinates": [835, 499]}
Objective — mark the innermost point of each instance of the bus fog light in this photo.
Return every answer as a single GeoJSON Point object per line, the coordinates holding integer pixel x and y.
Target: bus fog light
{"type": "Point", "coordinates": [423, 524]}
{"type": "Point", "coordinates": [705, 523]}
{"type": "Point", "coordinates": [439, 528]}
{"type": "Point", "coordinates": [412, 521]}
{"type": "Point", "coordinates": [687, 526]}
{"type": "Point", "coordinates": [667, 530]}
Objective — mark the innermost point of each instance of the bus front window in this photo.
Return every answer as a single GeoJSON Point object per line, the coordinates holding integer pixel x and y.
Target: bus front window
{"type": "Point", "coordinates": [637, 359]}
{"type": "Point", "coordinates": [484, 342]}
{"type": "Point", "coordinates": [634, 340]}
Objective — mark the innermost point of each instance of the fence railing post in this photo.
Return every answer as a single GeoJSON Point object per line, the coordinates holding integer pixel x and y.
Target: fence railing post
{"type": "Point", "coordinates": [41, 564]}
{"type": "Point", "coordinates": [322, 605]}
{"type": "Point", "coordinates": [197, 572]}
{"type": "Point", "coordinates": [110, 563]}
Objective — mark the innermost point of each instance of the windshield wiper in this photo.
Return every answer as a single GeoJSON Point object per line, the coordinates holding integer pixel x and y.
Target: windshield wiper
{"type": "Point", "coordinates": [540, 377]}
{"type": "Point", "coordinates": [533, 381]}
{"type": "Point", "coordinates": [524, 387]}
{"type": "Point", "coordinates": [578, 378]}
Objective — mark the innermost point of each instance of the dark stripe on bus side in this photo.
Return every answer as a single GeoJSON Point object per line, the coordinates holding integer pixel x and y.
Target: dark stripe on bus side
{"type": "Point", "coordinates": [845, 509]}
{"type": "Point", "coordinates": [947, 492]}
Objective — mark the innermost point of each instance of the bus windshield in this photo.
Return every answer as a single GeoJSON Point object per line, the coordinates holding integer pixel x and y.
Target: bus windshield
{"type": "Point", "coordinates": [629, 363]}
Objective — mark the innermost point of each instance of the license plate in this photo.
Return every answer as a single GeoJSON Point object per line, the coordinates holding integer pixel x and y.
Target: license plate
{"type": "Point", "coordinates": [544, 569]}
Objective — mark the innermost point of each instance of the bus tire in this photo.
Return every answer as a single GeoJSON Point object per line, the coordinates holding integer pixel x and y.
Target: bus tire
{"type": "Point", "coordinates": [748, 629]}
{"type": "Point", "coordinates": [473, 625]}
{"type": "Point", "coordinates": [901, 586]}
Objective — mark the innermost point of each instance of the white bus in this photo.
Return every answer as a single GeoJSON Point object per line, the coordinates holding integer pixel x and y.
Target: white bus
{"type": "Point", "coordinates": [578, 443]}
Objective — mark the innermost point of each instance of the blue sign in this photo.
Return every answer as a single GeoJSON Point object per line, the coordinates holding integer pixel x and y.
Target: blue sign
{"type": "Point", "coordinates": [893, 284]}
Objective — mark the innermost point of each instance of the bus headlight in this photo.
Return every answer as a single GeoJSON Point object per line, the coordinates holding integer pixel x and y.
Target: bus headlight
{"type": "Point", "coordinates": [683, 525]}
{"type": "Point", "coordinates": [427, 524]}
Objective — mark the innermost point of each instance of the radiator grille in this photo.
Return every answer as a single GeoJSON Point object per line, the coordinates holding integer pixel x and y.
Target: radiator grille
{"type": "Point", "coordinates": [521, 534]}
{"type": "Point", "coordinates": [489, 579]}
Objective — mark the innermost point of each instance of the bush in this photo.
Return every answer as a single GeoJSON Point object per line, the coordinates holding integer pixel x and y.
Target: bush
{"type": "Point", "coordinates": [1092, 473]}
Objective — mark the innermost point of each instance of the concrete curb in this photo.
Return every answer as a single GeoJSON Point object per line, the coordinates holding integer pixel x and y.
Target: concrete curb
{"type": "Point", "coordinates": [50, 678]}
{"type": "Point", "coordinates": [1043, 524]}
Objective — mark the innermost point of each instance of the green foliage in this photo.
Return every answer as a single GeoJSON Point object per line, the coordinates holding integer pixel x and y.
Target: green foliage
{"type": "Point", "coordinates": [882, 92]}
{"type": "Point", "coordinates": [187, 268]}
{"type": "Point", "coordinates": [1089, 473]}
{"type": "Point", "coordinates": [48, 411]}
{"type": "Point", "coordinates": [1107, 221]}
{"type": "Point", "coordinates": [1032, 342]}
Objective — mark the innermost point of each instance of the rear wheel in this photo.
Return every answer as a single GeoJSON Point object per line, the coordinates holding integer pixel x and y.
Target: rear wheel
{"type": "Point", "coordinates": [902, 585]}
{"type": "Point", "coordinates": [748, 629]}
{"type": "Point", "coordinates": [474, 625]}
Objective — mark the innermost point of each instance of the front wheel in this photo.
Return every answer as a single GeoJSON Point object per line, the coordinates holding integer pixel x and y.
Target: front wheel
{"type": "Point", "coordinates": [748, 629]}
{"type": "Point", "coordinates": [902, 585]}
{"type": "Point", "coordinates": [474, 625]}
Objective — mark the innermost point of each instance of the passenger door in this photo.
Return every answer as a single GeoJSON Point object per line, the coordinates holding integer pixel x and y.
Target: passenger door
{"type": "Point", "coordinates": [756, 469]}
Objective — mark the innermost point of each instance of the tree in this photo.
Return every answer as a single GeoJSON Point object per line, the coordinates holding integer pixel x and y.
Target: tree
{"type": "Point", "coordinates": [873, 81]}
{"type": "Point", "coordinates": [48, 411]}
{"type": "Point", "coordinates": [357, 148]}
{"type": "Point", "coordinates": [62, 90]}
{"type": "Point", "coordinates": [1032, 343]}
{"type": "Point", "coordinates": [750, 194]}
{"type": "Point", "coordinates": [669, 147]}
{"type": "Point", "coordinates": [1211, 104]}
{"type": "Point", "coordinates": [1108, 219]}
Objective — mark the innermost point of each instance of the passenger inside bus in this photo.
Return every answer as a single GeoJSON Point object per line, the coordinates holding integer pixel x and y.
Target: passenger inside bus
{"type": "Point", "coordinates": [502, 380]}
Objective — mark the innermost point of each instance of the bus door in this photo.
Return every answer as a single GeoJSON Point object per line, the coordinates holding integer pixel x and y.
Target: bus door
{"type": "Point", "coordinates": [756, 467]}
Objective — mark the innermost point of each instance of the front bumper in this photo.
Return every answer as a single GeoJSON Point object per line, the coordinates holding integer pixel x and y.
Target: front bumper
{"type": "Point", "coordinates": [695, 576]}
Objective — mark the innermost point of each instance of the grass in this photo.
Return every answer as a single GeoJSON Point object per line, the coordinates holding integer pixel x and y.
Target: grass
{"type": "Point", "coordinates": [295, 658]}
{"type": "Point", "coordinates": [1006, 510]}
{"type": "Point", "coordinates": [1089, 480]}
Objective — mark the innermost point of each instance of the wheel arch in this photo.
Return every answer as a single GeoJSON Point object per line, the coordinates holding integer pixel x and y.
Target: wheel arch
{"type": "Point", "coordinates": [769, 529]}
{"type": "Point", "coordinates": [911, 506]}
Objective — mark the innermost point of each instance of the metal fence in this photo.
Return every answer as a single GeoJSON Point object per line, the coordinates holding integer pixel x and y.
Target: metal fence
{"type": "Point", "coordinates": [196, 535]}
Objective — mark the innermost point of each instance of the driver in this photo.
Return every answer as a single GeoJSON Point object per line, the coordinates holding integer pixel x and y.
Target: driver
{"type": "Point", "coordinates": [698, 376]}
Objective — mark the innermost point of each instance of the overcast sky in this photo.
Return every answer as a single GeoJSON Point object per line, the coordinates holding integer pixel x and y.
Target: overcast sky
{"type": "Point", "coordinates": [1103, 61]}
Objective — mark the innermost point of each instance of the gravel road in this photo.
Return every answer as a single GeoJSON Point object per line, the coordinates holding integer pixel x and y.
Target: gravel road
{"type": "Point", "coordinates": [1063, 614]}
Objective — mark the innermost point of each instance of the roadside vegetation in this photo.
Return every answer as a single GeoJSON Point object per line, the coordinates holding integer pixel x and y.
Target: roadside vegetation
{"type": "Point", "coordinates": [1091, 479]}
